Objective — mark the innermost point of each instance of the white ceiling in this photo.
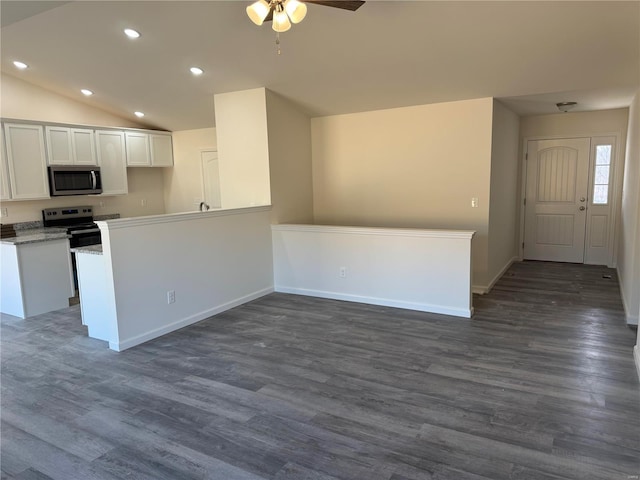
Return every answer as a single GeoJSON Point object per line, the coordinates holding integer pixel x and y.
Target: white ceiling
{"type": "Point", "coordinates": [387, 54]}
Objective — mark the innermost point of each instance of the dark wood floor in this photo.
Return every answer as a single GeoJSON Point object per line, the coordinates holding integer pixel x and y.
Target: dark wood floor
{"type": "Point", "coordinates": [540, 384]}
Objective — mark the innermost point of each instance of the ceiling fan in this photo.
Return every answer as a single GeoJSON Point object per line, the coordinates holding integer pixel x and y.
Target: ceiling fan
{"type": "Point", "coordinates": [285, 12]}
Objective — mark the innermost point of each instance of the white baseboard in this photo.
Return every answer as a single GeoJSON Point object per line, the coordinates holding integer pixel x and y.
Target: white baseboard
{"type": "Point", "coordinates": [385, 302]}
{"type": "Point", "coordinates": [632, 319]}
{"type": "Point", "coordinates": [636, 357]}
{"type": "Point", "coordinates": [484, 289]}
{"type": "Point", "coordinates": [183, 322]}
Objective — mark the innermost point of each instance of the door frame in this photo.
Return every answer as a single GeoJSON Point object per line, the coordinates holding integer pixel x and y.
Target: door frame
{"type": "Point", "coordinates": [616, 191]}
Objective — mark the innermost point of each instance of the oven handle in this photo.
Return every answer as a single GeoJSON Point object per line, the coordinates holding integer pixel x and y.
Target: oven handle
{"type": "Point", "coordinates": [94, 182]}
{"type": "Point", "coordinates": [86, 230]}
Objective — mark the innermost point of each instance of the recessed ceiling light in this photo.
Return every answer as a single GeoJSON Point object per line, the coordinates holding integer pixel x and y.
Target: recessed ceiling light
{"type": "Point", "coordinates": [138, 114]}
{"type": "Point", "coordinates": [86, 92]}
{"type": "Point", "coordinates": [20, 65]}
{"type": "Point", "coordinates": [131, 33]}
{"type": "Point", "coordinates": [196, 70]}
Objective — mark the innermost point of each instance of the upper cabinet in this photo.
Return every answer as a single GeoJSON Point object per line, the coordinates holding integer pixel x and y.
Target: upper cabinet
{"type": "Point", "coordinates": [149, 149]}
{"type": "Point", "coordinates": [5, 192]}
{"type": "Point", "coordinates": [26, 161]}
{"type": "Point", "coordinates": [161, 150]}
{"type": "Point", "coordinates": [70, 146]}
{"type": "Point", "coordinates": [112, 161]}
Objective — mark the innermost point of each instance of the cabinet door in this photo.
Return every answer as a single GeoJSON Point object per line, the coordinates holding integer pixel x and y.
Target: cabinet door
{"type": "Point", "coordinates": [138, 149]}
{"type": "Point", "coordinates": [161, 150]}
{"type": "Point", "coordinates": [5, 193]}
{"type": "Point", "coordinates": [58, 146]}
{"type": "Point", "coordinates": [83, 146]}
{"type": "Point", "coordinates": [26, 159]}
{"type": "Point", "coordinates": [112, 161]}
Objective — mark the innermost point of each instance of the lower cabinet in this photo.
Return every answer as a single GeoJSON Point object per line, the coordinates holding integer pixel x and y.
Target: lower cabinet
{"type": "Point", "coordinates": [36, 277]}
{"type": "Point", "coordinates": [112, 159]}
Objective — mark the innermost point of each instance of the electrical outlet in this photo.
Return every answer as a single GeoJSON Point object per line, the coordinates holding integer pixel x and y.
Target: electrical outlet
{"type": "Point", "coordinates": [4, 212]}
{"type": "Point", "coordinates": [101, 203]}
{"type": "Point", "coordinates": [342, 273]}
{"type": "Point", "coordinates": [143, 202]}
{"type": "Point", "coordinates": [474, 202]}
{"type": "Point", "coordinates": [171, 296]}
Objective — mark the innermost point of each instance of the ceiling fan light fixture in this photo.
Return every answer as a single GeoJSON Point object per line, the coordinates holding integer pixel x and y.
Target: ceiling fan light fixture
{"type": "Point", "coordinates": [281, 21]}
{"type": "Point", "coordinates": [258, 11]}
{"type": "Point", "coordinates": [296, 10]}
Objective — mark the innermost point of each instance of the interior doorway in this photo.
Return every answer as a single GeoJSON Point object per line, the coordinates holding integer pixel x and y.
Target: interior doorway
{"type": "Point", "coordinates": [211, 178]}
{"type": "Point", "coordinates": [569, 200]}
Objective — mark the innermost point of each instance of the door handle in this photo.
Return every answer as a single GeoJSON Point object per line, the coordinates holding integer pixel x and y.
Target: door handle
{"type": "Point", "coordinates": [582, 199]}
{"type": "Point", "coordinates": [582, 207]}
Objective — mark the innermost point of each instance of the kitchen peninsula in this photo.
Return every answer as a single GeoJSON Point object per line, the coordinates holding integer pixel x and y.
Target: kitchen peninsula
{"type": "Point", "coordinates": [156, 274]}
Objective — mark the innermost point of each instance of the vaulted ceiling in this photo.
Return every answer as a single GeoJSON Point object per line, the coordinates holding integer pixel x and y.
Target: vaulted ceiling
{"type": "Point", "coordinates": [386, 54]}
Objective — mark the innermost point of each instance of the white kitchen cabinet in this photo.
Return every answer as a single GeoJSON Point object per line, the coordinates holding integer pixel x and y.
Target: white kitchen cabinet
{"type": "Point", "coordinates": [149, 149]}
{"type": "Point", "coordinates": [70, 146]}
{"type": "Point", "coordinates": [5, 192]}
{"type": "Point", "coordinates": [83, 146]}
{"type": "Point", "coordinates": [36, 277]}
{"type": "Point", "coordinates": [112, 161]}
{"type": "Point", "coordinates": [161, 150]}
{"type": "Point", "coordinates": [27, 161]}
{"type": "Point", "coordinates": [138, 154]}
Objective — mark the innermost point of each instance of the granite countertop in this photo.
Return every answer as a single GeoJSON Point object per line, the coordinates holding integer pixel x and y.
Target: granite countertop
{"type": "Point", "coordinates": [36, 235]}
{"type": "Point", "coordinates": [91, 249]}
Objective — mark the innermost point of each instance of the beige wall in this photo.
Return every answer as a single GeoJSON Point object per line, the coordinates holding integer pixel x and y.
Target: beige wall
{"type": "Point", "coordinates": [243, 150]}
{"type": "Point", "coordinates": [407, 167]}
{"type": "Point", "coordinates": [503, 206]}
{"type": "Point", "coordinates": [183, 182]}
{"type": "Point", "coordinates": [21, 100]}
{"type": "Point", "coordinates": [289, 162]}
{"type": "Point", "coordinates": [629, 247]}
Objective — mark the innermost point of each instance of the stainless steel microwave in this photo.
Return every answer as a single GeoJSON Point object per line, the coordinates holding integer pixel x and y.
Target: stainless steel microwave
{"type": "Point", "coordinates": [74, 180]}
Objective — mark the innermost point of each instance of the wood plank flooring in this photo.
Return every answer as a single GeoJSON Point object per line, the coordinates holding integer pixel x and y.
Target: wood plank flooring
{"type": "Point", "coordinates": [540, 384]}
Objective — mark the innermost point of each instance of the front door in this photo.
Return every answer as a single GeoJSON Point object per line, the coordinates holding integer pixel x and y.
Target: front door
{"type": "Point", "coordinates": [556, 199]}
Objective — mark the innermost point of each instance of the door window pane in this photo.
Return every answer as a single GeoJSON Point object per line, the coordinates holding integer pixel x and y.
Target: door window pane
{"type": "Point", "coordinates": [601, 175]}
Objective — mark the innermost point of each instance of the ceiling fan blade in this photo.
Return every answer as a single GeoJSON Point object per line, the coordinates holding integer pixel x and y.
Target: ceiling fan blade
{"type": "Point", "coordinates": [345, 5]}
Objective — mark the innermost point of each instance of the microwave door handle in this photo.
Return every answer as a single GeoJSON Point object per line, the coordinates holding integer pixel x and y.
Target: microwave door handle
{"type": "Point", "coordinates": [93, 180]}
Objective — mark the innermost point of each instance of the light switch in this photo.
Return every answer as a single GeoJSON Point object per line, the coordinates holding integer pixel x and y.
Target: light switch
{"type": "Point", "coordinates": [474, 202]}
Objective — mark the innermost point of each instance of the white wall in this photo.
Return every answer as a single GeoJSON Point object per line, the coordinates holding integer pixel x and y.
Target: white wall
{"type": "Point", "coordinates": [213, 261]}
{"type": "Point", "coordinates": [243, 150]}
{"type": "Point", "coordinates": [413, 167]}
{"type": "Point", "coordinates": [289, 161]}
{"type": "Point", "coordinates": [22, 100]}
{"type": "Point", "coordinates": [629, 246]}
{"type": "Point", "coordinates": [183, 182]}
{"type": "Point", "coordinates": [503, 205]}
{"type": "Point", "coordinates": [426, 270]}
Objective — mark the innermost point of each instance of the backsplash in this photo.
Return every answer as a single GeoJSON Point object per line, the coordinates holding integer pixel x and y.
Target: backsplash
{"type": "Point", "coordinates": [38, 223]}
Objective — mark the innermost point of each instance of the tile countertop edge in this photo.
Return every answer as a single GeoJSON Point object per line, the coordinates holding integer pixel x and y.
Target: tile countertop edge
{"type": "Point", "coordinates": [90, 249]}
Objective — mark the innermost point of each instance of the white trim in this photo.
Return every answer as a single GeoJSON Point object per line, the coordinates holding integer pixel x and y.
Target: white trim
{"type": "Point", "coordinates": [393, 232]}
{"type": "Point", "coordinates": [150, 335]}
{"type": "Point", "coordinates": [422, 307]}
{"type": "Point", "coordinates": [484, 289]}
{"type": "Point", "coordinates": [636, 357]}
{"type": "Point", "coordinates": [174, 217]}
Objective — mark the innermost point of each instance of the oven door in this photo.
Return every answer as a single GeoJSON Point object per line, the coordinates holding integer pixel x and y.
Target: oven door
{"type": "Point", "coordinates": [82, 238]}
